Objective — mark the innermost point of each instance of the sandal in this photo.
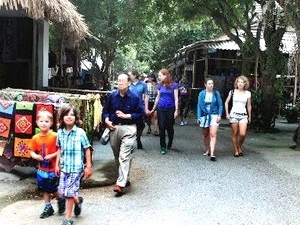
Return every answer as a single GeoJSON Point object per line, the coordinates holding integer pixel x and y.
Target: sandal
{"type": "Point", "coordinates": [156, 133]}
{"type": "Point", "coordinates": [207, 153]}
{"type": "Point", "coordinates": [241, 154]}
{"type": "Point", "coordinates": [149, 131]}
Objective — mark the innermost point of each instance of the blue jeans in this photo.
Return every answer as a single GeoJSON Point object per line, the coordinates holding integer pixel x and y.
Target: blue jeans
{"type": "Point", "coordinates": [166, 122]}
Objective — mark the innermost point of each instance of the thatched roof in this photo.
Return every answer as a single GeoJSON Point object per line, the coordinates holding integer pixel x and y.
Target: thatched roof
{"type": "Point", "coordinates": [61, 12]}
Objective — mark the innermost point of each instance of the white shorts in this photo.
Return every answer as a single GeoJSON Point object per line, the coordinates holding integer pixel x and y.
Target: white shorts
{"type": "Point", "coordinates": [238, 118]}
{"type": "Point", "coordinates": [204, 121]}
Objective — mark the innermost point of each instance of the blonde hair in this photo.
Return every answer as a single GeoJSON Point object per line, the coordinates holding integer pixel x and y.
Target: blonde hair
{"type": "Point", "coordinates": [44, 113]}
{"type": "Point", "coordinates": [243, 78]}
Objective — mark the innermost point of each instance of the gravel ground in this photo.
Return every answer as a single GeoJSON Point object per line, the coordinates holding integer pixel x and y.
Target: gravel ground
{"type": "Point", "coordinates": [185, 187]}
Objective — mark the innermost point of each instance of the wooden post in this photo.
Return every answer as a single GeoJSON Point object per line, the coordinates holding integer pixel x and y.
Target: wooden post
{"type": "Point", "coordinates": [194, 68]}
{"type": "Point", "coordinates": [296, 79]}
{"type": "Point", "coordinates": [255, 71]}
{"type": "Point", "coordinates": [206, 65]}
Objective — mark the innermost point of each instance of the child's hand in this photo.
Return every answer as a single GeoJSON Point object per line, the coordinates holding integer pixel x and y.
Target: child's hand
{"type": "Point", "coordinates": [88, 171]}
{"type": "Point", "coordinates": [47, 157]}
{"type": "Point", "coordinates": [39, 158]}
{"type": "Point", "coordinates": [57, 171]}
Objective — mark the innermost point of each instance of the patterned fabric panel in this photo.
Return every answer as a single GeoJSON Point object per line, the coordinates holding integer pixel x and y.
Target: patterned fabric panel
{"type": "Point", "coordinates": [23, 124]}
{"type": "Point", "coordinates": [43, 107]}
{"type": "Point", "coordinates": [6, 107]}
{"type": "Point", "coordinates": [21, 147]}
{"type": "Point", "coordinates": [24, 106]}
{"type": "Point", "coordinates": [4, 127]}
{"type": "Point", "coordinates": [35, 97]}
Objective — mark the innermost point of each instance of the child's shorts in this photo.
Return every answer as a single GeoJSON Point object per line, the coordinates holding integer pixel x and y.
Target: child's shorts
{"type": "Point", "coordinates": [47, 181]}
{"type": "Point", "coordinates": [69, 184]}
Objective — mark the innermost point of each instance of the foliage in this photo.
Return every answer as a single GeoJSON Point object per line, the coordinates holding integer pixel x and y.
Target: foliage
{"type": "Point", "coordinates": [237, 19]}
{"type": "Point", "coordinates": [115, 23]}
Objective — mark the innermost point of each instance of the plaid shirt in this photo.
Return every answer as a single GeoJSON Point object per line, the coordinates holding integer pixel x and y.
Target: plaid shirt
{"type": "Point", "coordinates": [151, 91]}
{"type": "Point", "coordinates": [72, 145]}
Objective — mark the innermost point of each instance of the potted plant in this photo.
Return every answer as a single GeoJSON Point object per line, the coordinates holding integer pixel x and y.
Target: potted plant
{"type": "Point", "coordinates": [291, 112]}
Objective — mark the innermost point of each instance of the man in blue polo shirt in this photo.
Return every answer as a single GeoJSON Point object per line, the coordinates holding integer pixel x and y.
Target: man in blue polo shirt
{"type": "Point", "coordinates": [121, 112]}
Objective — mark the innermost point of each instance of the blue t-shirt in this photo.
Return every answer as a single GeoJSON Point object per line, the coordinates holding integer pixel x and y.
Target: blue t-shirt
{"type": "Point", "coordinates": [167, 98]}
{"type": "Point", "coordinates": [139, 89]}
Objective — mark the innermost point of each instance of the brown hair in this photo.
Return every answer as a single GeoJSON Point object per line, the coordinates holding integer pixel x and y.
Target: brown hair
{"type": "Point", "coordinates": [64, 111]}
{"type": "Point", "coordinates": [168, 80]}
{"type": "Point", "coordinates": [207, 79]}
{"type": "Point", "coordinates": [243, 78]}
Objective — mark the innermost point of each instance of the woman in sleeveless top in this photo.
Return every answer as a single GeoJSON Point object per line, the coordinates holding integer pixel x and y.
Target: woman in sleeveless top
{"type": "Point", "coordinates": [240, 113]}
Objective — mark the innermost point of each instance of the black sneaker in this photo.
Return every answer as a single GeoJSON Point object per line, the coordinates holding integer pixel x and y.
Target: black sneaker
{"type": "Point", "coordinates": [77, 208]}
{"type": "Point", "coordinates": [127, 184]}
{"type": "Point", "coordinates": [67, 222]}
{"type": "Point", "coordinates": [61, 204]}
{"type": "Point", "coordinates": [48, 211]}
{"type": "Point", "coordinates": [139, 144]}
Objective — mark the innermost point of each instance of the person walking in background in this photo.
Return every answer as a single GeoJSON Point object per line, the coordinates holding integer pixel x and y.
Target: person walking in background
{"type": "Point", "coordinates": [240, 113]}
{"type": "Point", "coordinates": [139, 88]}
{"type": "Point", "coordinates": [121, 112]}
{"type": "Point", "coordinates": [184, 100]}
{"type": "Point", "coordinates": [166, 103]}
{"type": "Point", "coordinates": [73, 148]}
{"type": "Point", "coordinates": [149, 103]}
{"type": "Point", "coordinates": [209, 112]}
{"type": "Point", "coordinates": [43, 149]}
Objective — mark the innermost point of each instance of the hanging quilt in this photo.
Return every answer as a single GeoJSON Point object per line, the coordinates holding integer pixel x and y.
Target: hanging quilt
{"type": "Point", "coordinates": [5, 125]}
{"type": "Point", "coordinates": [24, 128]}
{"type": "Point", "coordinates": [21, 147]}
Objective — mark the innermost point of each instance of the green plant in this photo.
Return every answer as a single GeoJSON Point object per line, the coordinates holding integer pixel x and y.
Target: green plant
{"type": "Point", "coordinates": [291, 112]}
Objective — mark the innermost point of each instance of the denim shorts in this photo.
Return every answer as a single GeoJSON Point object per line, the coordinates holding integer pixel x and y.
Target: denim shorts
{"type": "Point", "coordinates": [238, 118]}
{"type": "Point", "coordinates": [204, 121]}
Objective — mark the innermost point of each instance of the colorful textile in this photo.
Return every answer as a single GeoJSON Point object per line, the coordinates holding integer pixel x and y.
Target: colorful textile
{"type": "Point", "coordinates": [35, 97]}
{"type": "Point", "coordinates": [55, 99]}
{"type": "Point", "coordinates": [21, 147]}
{"type": "Point", "coordinates": [23, 124]}
{"type": "Point", "coordinates": [4, 127]}
{"type": "Point", "coordinates": [42, 107]}
{"type": "Point", "coordinates": [24, 106]}
{"type": "Point", "coordinates": [97, 112]}
{"type": "Point", "coordinates": [6, 107]}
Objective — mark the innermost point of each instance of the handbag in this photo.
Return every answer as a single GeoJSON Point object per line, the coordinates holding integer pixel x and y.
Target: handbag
{"type": "Point", "coordinates": [105, 136]}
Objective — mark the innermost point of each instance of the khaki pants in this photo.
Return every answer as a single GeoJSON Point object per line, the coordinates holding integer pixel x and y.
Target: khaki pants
{"type": "Point", "coordinates": [122, 140]}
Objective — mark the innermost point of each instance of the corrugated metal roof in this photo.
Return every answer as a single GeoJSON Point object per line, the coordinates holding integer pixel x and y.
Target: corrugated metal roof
{"type": "Point", "coordinates": [223, 45]}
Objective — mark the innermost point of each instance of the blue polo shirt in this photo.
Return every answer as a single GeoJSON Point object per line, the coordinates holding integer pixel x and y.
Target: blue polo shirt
{"type": "Point", "coordinates": [139, 88]}
{"type": "Point", "coordinates": [130, 103]}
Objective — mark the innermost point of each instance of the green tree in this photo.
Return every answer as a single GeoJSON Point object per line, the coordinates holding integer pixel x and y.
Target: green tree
{"type": "Point", "coordinates": [242, 23]}
{"type": "Point", "coordinates": [115, 23]}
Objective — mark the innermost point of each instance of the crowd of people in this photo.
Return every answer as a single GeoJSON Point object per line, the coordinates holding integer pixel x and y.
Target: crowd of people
{"type": "Point", "coordinates": [65, 156]}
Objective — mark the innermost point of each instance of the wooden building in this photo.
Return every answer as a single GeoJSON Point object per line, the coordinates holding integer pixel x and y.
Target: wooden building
{"type": "Point", "coordinates": [24, 39]}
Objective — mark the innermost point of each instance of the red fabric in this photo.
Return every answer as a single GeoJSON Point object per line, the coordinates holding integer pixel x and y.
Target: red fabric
{"type": "Point", "coordinates": [47, 107]}
{"type": "Point", "coordinates": [23, 124]}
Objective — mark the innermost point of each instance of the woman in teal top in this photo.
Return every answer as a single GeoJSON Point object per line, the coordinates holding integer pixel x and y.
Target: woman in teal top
{"type": "Point", "coordinates": [209, 112]}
